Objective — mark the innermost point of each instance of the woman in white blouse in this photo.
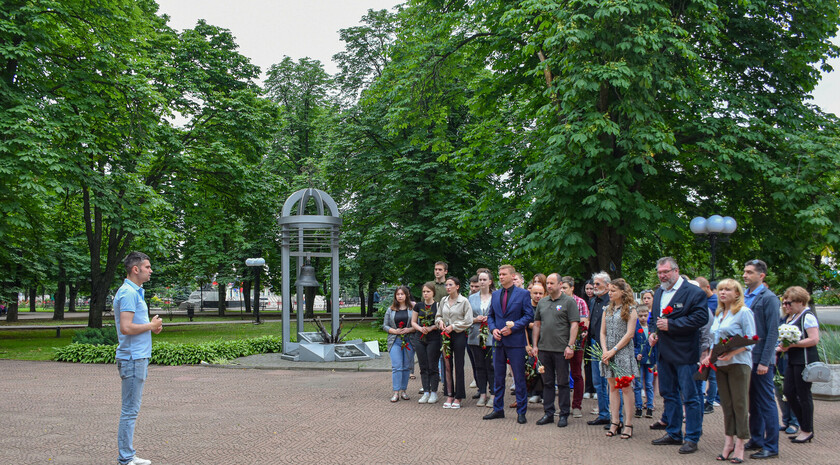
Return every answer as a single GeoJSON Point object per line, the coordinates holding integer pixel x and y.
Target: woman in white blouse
{"type": "Point", "coordinates": [732, 318]}
{"type": "Point", "coordinates": [454, 317]}
{"type": "Point", "coordinates": [481, 345]}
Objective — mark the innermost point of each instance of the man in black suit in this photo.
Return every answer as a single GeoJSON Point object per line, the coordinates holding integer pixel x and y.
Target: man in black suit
{"type": "Point", "coordinates": [679, 310]}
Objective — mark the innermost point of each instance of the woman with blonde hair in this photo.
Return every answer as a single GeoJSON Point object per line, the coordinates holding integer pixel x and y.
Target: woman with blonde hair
{"type": "Point", "coordinates": [800, 353]}
{"type": "Point", "coordinates": [733, 318]}
{"type": "Point", "coordinates": [617, 330]}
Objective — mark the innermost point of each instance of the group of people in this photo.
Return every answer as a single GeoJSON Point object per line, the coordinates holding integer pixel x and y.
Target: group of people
{"type": "Point", "coordinates": [547, 331]}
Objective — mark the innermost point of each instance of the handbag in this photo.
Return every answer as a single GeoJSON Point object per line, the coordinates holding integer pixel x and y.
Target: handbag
{"type": "Point", "coordinates": [815, 372]}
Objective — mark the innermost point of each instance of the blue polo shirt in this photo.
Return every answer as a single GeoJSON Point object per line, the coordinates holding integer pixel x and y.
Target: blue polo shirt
{"type": "Point", "coordinates": [131, 298]}
{"type": "Point", "coordinates": [750, 296]}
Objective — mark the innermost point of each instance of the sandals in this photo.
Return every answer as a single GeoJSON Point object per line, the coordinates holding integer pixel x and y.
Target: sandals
{"type": "Point", "coordinates": [627, 435]}
{"type": "Point", "coordinates": [404, 396]}
{"type": "Point", "coordinates": [395, 398]}
{"type": "Point", "coordinates": [736, 460]}
{"type": "Point", "coordinates": [612, 433]}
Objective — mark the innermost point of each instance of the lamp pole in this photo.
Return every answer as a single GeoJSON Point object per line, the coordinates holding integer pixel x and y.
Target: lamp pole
{"type": "Point", "coordinates": [714, 229]}
{"type": "Point", "coordinates": [256, 264]}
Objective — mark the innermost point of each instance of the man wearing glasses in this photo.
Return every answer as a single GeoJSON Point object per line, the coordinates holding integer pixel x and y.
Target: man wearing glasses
{"type": "Point", "coordinates": [601, 282]}
{"type": "Point", "coordinates": [679, 311]}
{"type": "Point", "coordinates": [764, 418]}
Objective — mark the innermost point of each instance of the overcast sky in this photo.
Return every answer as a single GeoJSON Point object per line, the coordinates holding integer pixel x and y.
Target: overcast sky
{"type": "Point", "coordinates": [266, 30]}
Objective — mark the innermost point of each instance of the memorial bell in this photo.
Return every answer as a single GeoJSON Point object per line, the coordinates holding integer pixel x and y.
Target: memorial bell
{"type": "Point", "coordinates": [306, 277]}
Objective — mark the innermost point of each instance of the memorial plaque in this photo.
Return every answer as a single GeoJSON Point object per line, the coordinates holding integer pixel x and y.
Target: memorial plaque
{"type": "Point", "coordinates": [349, 352]}
{"type": "Point", "coordinates": [311, 337]}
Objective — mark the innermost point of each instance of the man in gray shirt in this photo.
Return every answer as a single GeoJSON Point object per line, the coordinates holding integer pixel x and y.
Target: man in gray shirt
{"type": "Point", "coordinates": [555, 330]}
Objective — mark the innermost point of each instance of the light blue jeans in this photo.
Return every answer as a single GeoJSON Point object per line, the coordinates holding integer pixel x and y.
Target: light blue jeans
{"type": "Point", "coordinates": [401, 362]}
{"type": "Point", "coordinates": [603, 391]}
{"type": "Point", "coordinates": [133, 374]}
{"type": "Point", "coordinates": [644, 381]}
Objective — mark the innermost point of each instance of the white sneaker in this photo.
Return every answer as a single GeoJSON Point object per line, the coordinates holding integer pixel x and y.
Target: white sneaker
{"type": "Point", "coordinates": [490, 401]}
{"type": "Point", "coordinates": [138, 461]}
{"type": "Point", "coordinates": [595, 396]}
{"type": "Point", "coordinates": [473, 385]}
{"type": "Point", "coordinates": [432, 398]}
{"type": "Point", "coordinates": [586, 395]}
{"type": "Point", "coordinates": [424, 399]}
{"type": "Point", "coordinates": [534, 400]}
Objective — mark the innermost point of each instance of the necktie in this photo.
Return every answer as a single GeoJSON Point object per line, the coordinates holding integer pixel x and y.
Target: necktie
{"type": "Point", "coordinates": [504, 302]}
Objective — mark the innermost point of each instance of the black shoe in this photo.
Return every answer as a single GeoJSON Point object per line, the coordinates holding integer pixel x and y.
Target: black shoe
{"type": "Point", "coordinates": [494, 414]}
{"type": "Point", "coordinates": [476, 396]}
{"type": "Point", "coordinates": [667, 440]}
{"type": "Point", "coordinates": [546, 419]}
{"type": "Point", "coordinates": [689, 447]}
{"type": "Point", "coordinates": [638, 413]}
{"type": "Point", "coordinates": [563, 421]}
{"type": "Point", "coordinates": [764, 454]}
{"type": "Point", "coordinates": [800, 441]}
{"type": "Point", "coordinates": [751, 446]}
{"type": "Point", "coordinates": [649, 413]}
{"type": "Point", "coordinates": [708, 409]}
{"type": "Point", "coordinates": [522, 420]}
{"type": "Point", "coordinates": [599, 421]}
{"type": "Point", "coordinates": [658, 425]}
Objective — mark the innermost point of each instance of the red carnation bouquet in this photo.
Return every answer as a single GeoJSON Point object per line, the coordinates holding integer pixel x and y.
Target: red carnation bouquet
{"type": "Point", "coordinates": [483, 334]}
{"type": "Point", "coordinates": [404, 341]}
{"type": "Point", "coordinates": [596, 355]}
{"type": "Point", "coordinates": [445, 346]}
{"type": "Point", "coordinates": [724, 345]}
{"type": "Point", "coordinates": [581, 335]}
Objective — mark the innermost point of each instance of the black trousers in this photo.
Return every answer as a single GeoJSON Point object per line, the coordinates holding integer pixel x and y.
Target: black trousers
{"type": "Point", "coordinates": [458, 344]}
{"type": "Point", "coordinates": [484, 374]}
{"type": "Point", "coordinates": [556, 371]}
{"type": "Point", "coordinates": [798, 394]}
{"type": "Point", "coordinates": [588, 385]}
{"type": "Point", "coordinates": [428, 354]}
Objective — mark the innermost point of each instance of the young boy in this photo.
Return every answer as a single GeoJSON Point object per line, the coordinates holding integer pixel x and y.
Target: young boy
{"type": "Point", "coordinates": [645, 357]}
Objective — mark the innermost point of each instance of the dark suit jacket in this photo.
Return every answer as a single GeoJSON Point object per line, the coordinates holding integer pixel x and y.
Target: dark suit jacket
{"type": "Point", "coordinates": [680, 345]}
{"type": "Point", "coordinates": [596, 311]}
{"type": "Point", "coordinates": [519, 310]}
{"type": "Point", "coordinates": [765, 308]}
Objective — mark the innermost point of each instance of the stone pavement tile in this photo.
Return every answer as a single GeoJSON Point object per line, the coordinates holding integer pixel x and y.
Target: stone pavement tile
{"type": "Point", "coordinates": [61, 413]}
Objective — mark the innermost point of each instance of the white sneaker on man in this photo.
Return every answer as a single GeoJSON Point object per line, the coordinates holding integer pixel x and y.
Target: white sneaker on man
{"type": "Point", "coordinates": [138, 461]}
{"type": "Point", "coordinates": [424, 399]}
{"type": "Point", "coordinates": [432, 398]}
{"type": "Point", "coordinates": [586, 395]}
{"type": "Point", "coordinates": [534, 400]}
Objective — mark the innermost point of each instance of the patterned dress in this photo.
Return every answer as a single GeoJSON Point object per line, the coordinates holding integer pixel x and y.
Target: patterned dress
{"type": "Point", "coordinates": [624, 358]}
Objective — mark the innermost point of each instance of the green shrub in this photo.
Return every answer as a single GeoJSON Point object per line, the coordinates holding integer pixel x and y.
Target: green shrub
{"type": "Point", "coordinates": [104, 336]}
{"type": "Point", "coordinates": [829, 297]}
{"type": "Point", "coordinates": [383, 342]}
{"type": "Point", "coordinates": [829, 346]}
{"type": "Point", "coordinates": [168, 353]}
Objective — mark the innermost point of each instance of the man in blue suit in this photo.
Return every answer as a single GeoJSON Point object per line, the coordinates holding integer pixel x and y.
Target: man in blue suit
{"type": "Point", "coordinates": [509, 304]}
{"type": "Point", "coordinates": [764, 417]}
{"type": "Point", "coordinates": [679, 311]}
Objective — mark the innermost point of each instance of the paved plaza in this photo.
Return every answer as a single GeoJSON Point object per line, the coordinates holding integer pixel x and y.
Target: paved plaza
{"type": "Point", "coordinates": [61, 413]}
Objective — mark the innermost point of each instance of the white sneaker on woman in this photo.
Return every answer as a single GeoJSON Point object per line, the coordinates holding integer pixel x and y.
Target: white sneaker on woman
{"type": "Point", "coordinates": [424, 399]}
{"type": "Point", "coordinates": [433, 398]}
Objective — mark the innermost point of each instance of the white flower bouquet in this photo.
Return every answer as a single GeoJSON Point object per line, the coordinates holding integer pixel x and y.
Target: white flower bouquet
{"type": "Point", "coordinates": [789, 334]}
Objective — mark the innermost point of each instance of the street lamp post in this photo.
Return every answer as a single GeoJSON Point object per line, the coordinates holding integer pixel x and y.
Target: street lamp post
{"type": "Point", "coordinates": [256, 264]}
{"type": "Point", "coordinates": [715, 229]}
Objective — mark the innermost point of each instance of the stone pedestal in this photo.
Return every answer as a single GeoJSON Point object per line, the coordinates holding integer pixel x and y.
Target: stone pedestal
{"type": "Point", "coordinates": [831, 389]}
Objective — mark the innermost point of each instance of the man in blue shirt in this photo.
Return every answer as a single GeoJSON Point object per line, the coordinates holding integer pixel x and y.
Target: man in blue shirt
{"type": "Point", "coordinates": [764, 416]}
{"type": "Point", "coordinates": [134, 331]}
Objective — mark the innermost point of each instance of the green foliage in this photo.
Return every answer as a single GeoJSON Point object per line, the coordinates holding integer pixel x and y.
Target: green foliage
{"type": "Point", "coordinates": [383, 342]}
{"type": "Point", "coordinates": [829, 346]}
{"type": "Point", "coordinates": [168, 353]}
{"type": "Point", "coordinates": [106, 335]}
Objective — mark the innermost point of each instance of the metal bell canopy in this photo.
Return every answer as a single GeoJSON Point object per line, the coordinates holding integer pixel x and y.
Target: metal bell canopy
{"type": "Point", "coordinates": [304, 236]}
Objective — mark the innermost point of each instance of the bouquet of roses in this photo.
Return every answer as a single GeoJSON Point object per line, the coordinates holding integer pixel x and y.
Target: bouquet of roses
{"type": "Point", "coordinates": [445, 346]}
{"type": "Point", "coordinates": [789, 334]}
{"type": "Point", "coordinates": [428, 319]}
{"type": "Point", "coordinates": [403, 339]}
{"type": "Point", "coordinates": [665, 313]}
{"type": "Point", "coordinates": [483, 334]}
{"type": "Point", "coordinates": [596, 355]}
{"type": "Point", "coordinates": [581, 335]}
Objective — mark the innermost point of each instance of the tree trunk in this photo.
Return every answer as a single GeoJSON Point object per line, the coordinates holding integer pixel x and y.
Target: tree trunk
{"type": "Point", "coordinates": [609, 251]}
{"type": "Point", "coordinates": [12, 309]}
{"type": "Point", "coordinates": [60, 295]}
{"type": "Point", "coordinates": [74, 294]}
{"type": "Point", "coordinates": [246, 292]}
{"type": "Point", "coordinates": [362, 303]}
{"type": "Point", "coordinates": [222, 299]}
{"type": "Point", "coordinates": [309, 294]}
{"type": "Point", "coordinates": [33, 294]}
{"type": "Point", "coordinates": [371, 290]}
{"type": "Point", "coordinates": [98, 297]}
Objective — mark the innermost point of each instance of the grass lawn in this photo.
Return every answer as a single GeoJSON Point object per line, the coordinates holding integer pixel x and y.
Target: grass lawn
{"type": "Point", "coordinates": [40, 344]}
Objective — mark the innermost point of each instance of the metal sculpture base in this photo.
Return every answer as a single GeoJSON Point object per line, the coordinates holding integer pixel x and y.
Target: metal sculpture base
{"type": "Point", "coordinates": [313, 349]}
